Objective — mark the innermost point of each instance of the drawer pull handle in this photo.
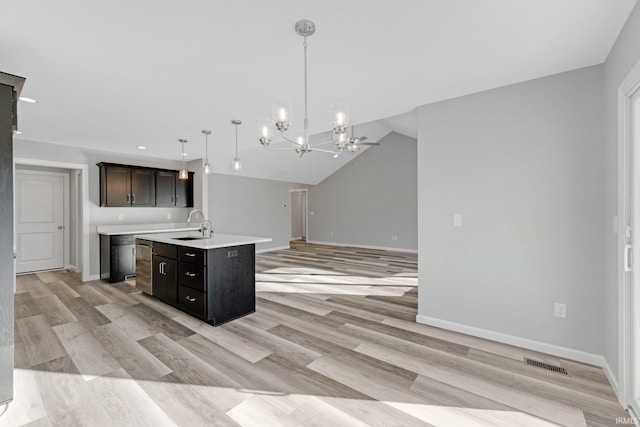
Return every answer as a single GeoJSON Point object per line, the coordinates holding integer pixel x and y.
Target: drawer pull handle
{"type": "Point", "coordinates": [190, 274]}
{"type": "Point", "coordinates": [188, 298]}
{"type": "Point", "coordinates": [189, 254]}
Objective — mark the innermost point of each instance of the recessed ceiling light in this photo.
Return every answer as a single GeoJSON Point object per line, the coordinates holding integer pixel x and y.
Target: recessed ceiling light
{"type": "Point", "coordinates": [141, 147]}
{"type": "Point", "coordinates": [29, 100]}
{"type": "Point", "coordinates": [183, 154]}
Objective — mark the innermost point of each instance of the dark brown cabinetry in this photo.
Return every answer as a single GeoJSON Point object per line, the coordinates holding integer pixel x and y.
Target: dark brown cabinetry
{"type": "Point", "coordinates": [117, 257]}
{"type": "Point", "coordinates": [184, 192]}
{"type": "Point", "coordinates": [172, 191]}
{"type": "Point", "coordinates": [165, 188]}
{"type": "Point", "coordinates": [124, 185]}
{"type": "Point", "coordinates": [214, 285]}
{"type": "Point", "coordinates": [165, 271]}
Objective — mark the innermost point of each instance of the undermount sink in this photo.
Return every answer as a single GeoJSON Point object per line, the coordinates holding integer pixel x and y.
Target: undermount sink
{"type": "Point", "coordinates": [189, 238]}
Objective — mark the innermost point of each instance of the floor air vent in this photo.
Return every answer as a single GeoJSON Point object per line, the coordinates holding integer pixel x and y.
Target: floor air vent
{"type": "Point", "coordinates": [546, 366]}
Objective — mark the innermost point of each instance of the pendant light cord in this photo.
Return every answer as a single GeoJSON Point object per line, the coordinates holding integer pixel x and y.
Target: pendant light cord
{"type": "Point", "coordinates": [236, 142]}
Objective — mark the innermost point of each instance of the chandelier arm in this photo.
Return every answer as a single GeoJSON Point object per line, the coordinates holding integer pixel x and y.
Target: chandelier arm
{"type": "Point", "coordinates": [322, 143]}
{"type": "Point", "coordinates": [279, 148]}
{"type": "Point", "coordinates": [325, 151]}
{"type": "Point", "coordinates": [290, 140]}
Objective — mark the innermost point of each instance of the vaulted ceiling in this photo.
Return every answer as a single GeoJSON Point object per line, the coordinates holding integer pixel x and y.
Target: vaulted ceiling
{"type": "Point", "coordinates": [117, 74]}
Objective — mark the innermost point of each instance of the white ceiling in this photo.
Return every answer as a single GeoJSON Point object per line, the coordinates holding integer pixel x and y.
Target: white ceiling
{"type": "Point", "coordinates": [116, 74]}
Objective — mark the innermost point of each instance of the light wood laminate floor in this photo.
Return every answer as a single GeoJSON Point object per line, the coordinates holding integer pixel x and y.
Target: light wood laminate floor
{"type": "Point", "coordinates": [333, 342]}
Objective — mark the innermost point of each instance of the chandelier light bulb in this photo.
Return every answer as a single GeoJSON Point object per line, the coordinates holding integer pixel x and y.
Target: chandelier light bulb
{"type": "Point", "coordinates": [207, 169]}
{"type": "Point", "coordinates": [236, 165]}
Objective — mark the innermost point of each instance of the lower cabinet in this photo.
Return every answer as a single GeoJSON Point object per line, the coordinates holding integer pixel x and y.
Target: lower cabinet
{"type": "Point", "coordinates": [164, 279]}
{"type": "Point", "coordinates": [117, 257]}
{"type": "Point", "coordinates": [214, 285]}
{"type": "Point", "coordinates": [165, 272]}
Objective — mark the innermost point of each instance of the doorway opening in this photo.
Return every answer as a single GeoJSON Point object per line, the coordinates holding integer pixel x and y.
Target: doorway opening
{"type": "Point", "coordinates": [629, 241]}
{"type": "Point", "coordinates": [299, 223]}
{"type": "Point", "coordinates": [78, 227]}
{"type": "Point", "coordinates": [44, 220]}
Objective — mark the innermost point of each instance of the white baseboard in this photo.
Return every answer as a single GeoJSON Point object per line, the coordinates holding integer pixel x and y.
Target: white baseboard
{"type": "Point", "coordinates": [278, 248]}
{"type": "Point", "coordinates": [92, 278]}
{"type": "Point", "coordinates": [72, 268]}
{"type": "Point", "coordinates": [352, 245]}
{"type": "Point", "coordinates": [613, 380]}
{"type": "Point", "coordinates": [567, 353]}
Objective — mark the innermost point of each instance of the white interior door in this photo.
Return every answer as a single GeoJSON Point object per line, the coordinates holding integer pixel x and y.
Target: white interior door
{"type": "Point", "coordinates": [633, 313]}
{"type": "Point", "coordinates": [39, 220]}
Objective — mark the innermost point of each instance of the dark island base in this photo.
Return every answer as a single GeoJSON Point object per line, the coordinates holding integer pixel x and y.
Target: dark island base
{"type": "Point", "coordinates": [213, 285]}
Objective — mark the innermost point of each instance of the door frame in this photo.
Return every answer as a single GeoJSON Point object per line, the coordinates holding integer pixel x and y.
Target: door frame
{"type": "Point", "coordinates": [83, 201]}
{"type": "Point", "coordinates": [306, 209]}
{"type": "Point", "coordinates": [66, 262]}
{"type": "Point", "coordinates": [628, 169]}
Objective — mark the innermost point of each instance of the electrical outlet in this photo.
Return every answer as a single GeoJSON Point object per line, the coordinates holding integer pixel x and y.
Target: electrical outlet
{"type": "Point", "coordinates": [332, 234]}
{"type": "Point", "coordinates": [457, 220]}
{"type": "Point", "coordinates": [120, 217]}
{"type": "Point", "coordinates": [168, 215]}
{"type": "Point", "coordinates": [394, 237]}
{"type": "Point", "coordinates": [560, 310]}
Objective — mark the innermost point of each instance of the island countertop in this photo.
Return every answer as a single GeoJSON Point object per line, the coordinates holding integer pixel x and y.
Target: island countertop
{"type": "Point", "coordinates": [216, 240]}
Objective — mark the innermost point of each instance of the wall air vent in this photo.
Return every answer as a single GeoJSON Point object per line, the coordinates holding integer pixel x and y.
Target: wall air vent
{"type": "Point", "coordinates": [546, 366]}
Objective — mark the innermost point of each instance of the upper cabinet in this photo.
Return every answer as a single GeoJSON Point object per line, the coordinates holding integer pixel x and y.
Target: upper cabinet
{"type": "Point", "coordinates": [123, 185]}
{"type": "Point", "coordinates": [184, 192]}
{"type": "Point", "coordinates": [166, 188]}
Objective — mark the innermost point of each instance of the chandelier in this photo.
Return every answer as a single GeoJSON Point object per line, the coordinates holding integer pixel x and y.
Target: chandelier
{"type": "Point", "coordinates": [281, 111]}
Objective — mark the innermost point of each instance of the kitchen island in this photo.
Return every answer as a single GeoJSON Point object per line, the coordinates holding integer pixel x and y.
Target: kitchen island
{"type": "Point", "coordinates": [211, 278]}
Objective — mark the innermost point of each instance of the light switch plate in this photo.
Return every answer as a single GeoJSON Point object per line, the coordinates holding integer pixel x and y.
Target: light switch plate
{"type": "Point", "coordinates": [457, 220]}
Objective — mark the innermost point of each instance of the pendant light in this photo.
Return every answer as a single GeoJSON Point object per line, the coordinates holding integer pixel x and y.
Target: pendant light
{"type": "Point", "coordinates": [183, 174]}
{"type": "Point", "coordinates": [207, 169]}
{"type": "Point", "coordinates": [236, 165]}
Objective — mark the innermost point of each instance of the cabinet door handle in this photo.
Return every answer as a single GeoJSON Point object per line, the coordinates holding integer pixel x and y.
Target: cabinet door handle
{"type": "Point", "coordinates": [188, 273]}
{"type": "Point", "coordinates": [189, 254]}
{"type": "Point", "coordinates": [188, 298]}
{"type": "Point", "coordinates": [161, 267]}
{"type": "Point", "coordinates": [128, 198]}
{"type": "Point", "coordinates": [133, 198]}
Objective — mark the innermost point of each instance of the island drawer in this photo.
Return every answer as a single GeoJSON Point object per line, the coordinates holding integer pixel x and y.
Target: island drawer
{"type": "Point", "coordinates": [162, 249]}
{"type": "Point", "coordinates": [192, 275]}
{"type": "Point", "coordinates": [192, 301]}
{"type": "Point", "coordinates": [196, 256]}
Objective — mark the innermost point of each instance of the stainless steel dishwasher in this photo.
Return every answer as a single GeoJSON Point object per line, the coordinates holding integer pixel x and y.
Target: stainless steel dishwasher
{"type": "Point", "coordinates": [144, 271]}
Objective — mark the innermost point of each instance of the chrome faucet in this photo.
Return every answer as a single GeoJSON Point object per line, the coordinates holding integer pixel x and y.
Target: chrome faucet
{"type": "Point", "coordinates": [205, 224]}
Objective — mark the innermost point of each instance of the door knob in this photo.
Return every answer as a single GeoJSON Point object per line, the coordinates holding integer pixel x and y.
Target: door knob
{"type": "Point", "coordinates": [60, 227]}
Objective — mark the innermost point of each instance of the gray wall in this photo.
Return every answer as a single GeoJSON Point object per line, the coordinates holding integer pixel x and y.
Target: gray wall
{"type": "Point", "coordinates": [370, 199]}
{"type": "Point", "coordinates": [102, 215]}
{"type": "Point", "coordinates": [523, 166]}
{"type": "Point", "coordinates": [6, 245]}
{"type": "Point", "coordinates": [623, 56]}
{"type": "Point", "coordinates": [250, 207]}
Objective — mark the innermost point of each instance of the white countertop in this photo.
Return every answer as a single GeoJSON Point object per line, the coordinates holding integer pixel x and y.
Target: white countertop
{"type": "Point", "coordinates": [217, 240]}
{"type": "Point", "coordinates": [110, 230]}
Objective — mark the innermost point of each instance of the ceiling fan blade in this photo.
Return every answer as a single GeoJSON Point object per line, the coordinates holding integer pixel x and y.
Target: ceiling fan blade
{"type": "Point", "coordinates": [368, 143]}
{"type": "Point", "coordinates": [362, 138]}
